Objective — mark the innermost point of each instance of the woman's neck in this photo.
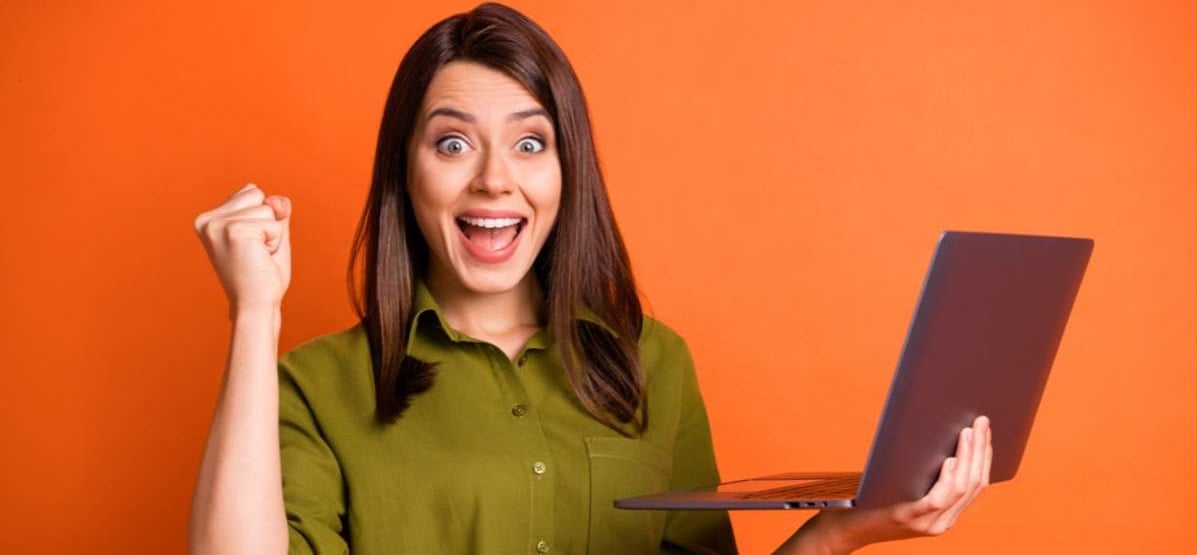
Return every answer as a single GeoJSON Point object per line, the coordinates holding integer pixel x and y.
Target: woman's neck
{"type": "Point", "coordinates": [506, 318]}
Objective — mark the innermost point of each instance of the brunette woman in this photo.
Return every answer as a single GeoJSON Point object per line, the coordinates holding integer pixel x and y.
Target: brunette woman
{"type": "Point", "coordinates": [503, 385]}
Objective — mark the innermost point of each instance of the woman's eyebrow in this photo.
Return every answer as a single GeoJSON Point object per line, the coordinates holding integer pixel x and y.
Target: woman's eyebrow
{"type": "Point", "coordinates": [525, 114]}
{"type": "Point", "coordinates": [453, 113]}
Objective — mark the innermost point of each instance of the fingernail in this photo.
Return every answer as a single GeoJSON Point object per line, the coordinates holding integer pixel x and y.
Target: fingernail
{"type": "Point", "coordinates": [247, 187]}
{"type": "Point", "coordinates": [968, 434]}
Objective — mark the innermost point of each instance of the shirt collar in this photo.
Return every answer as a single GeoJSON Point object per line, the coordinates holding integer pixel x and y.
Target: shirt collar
{"type": "Point", "coordinates": [426, 304]}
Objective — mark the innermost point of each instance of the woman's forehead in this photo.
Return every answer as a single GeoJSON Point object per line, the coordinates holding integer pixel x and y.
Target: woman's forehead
{"type": "Point", "coordinates": [477, 90]}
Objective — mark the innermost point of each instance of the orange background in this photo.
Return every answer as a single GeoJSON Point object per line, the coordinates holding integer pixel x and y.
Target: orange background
{"type": "Point", "coordinates": [781, 173]}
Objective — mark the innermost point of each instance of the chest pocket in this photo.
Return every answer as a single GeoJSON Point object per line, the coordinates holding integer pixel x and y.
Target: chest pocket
{"type": "Point", "coordinates": [622, 467]}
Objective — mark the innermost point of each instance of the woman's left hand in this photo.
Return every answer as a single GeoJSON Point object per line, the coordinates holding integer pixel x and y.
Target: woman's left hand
{"type": "Point", "coordinates": [961, 479]}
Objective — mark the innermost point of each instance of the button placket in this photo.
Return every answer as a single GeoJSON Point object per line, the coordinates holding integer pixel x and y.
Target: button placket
{"type": "Point", "coordinates": [532, 443]}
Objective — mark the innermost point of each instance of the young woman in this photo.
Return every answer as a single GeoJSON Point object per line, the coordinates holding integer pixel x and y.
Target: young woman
{"type": "Point", "coordinates": [503, 386]}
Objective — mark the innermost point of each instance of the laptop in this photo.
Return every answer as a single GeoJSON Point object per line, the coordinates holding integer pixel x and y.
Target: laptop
{"type": "Point", "coordinates": [989, 319]}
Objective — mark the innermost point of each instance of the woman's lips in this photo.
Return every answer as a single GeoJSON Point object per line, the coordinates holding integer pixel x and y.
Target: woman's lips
{"type": "Point", "coordinates": [490, 239]}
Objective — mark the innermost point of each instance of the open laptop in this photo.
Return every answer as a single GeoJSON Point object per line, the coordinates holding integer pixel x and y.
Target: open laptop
{"type": "Point", "coordinates": [988, 322]}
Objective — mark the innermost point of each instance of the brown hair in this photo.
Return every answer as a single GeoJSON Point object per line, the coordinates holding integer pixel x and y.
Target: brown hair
{"type": "Point", "coordinates": [583, 263]}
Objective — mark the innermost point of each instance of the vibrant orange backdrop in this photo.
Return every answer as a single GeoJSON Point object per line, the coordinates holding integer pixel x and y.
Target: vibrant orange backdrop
{"type": "Point", "coordinates": [780, 172]}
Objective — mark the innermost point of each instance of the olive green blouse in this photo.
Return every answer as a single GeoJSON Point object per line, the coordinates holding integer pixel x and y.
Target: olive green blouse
{"type": "Point", "coordinates": [499, 456]}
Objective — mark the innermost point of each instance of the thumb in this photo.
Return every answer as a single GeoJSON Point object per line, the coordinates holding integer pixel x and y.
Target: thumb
{"type": "Point", "coordinates": [281, 206]}
{"type": "Point", "coordinates": [283, 250]}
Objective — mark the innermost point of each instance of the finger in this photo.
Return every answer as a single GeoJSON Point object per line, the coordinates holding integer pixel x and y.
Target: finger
{"type": "Point", "coordinates": [940, 496]}
{"type": "Point", "coordinates": [215, 226]}
{"type": "Point", "coordinates": [281, 210]}
{"type": "Point", "coordinates": [267, 230]}
{"type": "Point", "coordinates": [259, 211]}
{"type": "Point", "coordinates": [976, 473]}
{"type": "Point", "coordinates": [250, 195]}
{"type": "Point", "coordinates": [988, 457]}
{"type": "Point", "coordinates": [956, 479]}
{"type": "Point", "coordinates": [980, 443]}
{"type": "Point", "coordinates": [280, 205]}
{"type": "Point", "coordinates": [964, 456]}
{"type": "Point", "coordinates": [247, 196]}
{"type": "Point", "coordinates": [246, 187]}
{"type": "Point", "coordinates": [274, 236]}
{"type": "Point", "coordinates": [276, 232]}
{"type": "Point", "coordinates": [949, 517]}
{"type": "Point", "coordinates": [957, 501]}
{"type": "Point", "coordinates": [283, 253]}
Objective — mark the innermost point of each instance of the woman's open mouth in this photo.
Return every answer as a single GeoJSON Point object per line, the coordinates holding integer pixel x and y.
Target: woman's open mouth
{"type": "Point", "coordinates": [490, 239]}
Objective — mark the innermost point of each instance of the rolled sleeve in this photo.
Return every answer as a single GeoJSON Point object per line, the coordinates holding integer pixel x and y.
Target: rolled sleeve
{"type": "Point", "coordinates": [313, 488]}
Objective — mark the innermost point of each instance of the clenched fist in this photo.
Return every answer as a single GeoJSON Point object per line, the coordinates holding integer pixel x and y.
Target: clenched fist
{"type": "Point", "coordinates": [248, 241]}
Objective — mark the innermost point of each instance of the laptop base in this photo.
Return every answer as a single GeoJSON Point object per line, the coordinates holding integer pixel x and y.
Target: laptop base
{"type": "Point", "coordinates": [792, 490]}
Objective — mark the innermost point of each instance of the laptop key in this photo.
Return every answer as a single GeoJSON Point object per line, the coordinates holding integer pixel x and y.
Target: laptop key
{"type": "Point", "coordinates": [832, 487]}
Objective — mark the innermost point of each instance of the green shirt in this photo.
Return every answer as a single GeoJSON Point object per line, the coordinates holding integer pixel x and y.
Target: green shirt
{"type": "Point", "coordinates": [497, 457]}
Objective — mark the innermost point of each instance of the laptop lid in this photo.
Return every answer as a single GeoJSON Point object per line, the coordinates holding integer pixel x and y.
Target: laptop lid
{"type": "Point", "coordinates": [987, 325]}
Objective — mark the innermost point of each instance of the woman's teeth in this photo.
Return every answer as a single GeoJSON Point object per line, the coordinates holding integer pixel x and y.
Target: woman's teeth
{"type": "Point", "coordinates": [490, 234]}
{"type": "Point", "coordinates": [490, 223]}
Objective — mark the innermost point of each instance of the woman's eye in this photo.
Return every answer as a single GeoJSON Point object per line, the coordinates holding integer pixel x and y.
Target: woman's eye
{"type": "Point", "coordinates": [452, 145]}
{"type": "Point", "coordinates": [529, 145]}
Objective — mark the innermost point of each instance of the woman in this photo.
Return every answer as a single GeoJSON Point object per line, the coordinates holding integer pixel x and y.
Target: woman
{"type": "Point", "coordinates": [503, 385]}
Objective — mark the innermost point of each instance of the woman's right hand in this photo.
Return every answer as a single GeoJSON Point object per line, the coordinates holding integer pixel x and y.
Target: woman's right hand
{"type": "Point", "coordinates": [248, 241]}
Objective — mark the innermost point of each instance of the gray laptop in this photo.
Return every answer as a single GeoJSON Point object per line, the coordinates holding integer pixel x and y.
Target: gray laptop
{"type": "Point", "coordinates": [982, 341]}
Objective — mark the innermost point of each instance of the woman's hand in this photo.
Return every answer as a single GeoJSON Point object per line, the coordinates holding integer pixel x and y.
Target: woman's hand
{"type": "Point", "coordinates": [248, 242]}
{"type": "Point", "coordinates": [961, 479]}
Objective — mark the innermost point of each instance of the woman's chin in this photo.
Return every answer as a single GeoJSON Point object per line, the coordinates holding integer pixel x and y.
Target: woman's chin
{"type": "Point", "coordinates": [491, 281]}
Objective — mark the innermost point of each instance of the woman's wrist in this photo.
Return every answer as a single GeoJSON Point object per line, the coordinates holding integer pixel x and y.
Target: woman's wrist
{"type": "Point", "coordinates": [244, 314]}
{"type": "Point", "coordinates": [822, 534]}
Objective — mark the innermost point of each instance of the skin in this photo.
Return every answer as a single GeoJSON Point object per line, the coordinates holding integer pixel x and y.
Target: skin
{"type": "Point", "coordinates": [237, 506]}
{"type": "Point", "coordinates": [483, 142]}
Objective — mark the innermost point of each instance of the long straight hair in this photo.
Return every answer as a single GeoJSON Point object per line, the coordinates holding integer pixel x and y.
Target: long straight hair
{"type": "Point", "coordinates": [583, 264]}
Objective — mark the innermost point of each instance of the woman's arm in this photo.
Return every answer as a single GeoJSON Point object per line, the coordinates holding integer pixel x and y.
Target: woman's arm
{"type": "Point", "coordinates": [238, 502]}
{"type": "Point", "coordinates": [237, 506]}
{"type": "Point", "coordinates": [962, 478]}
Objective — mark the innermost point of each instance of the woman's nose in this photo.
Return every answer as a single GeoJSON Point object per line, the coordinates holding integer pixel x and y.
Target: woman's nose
{"type": "Point", "coordinates": [494, 174]}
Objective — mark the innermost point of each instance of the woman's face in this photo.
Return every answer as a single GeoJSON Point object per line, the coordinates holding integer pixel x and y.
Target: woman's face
{"type": "Point", "coordinates": [484, 178]}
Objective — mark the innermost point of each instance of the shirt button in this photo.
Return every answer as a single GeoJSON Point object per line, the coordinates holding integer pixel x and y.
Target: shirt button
{"type": "Point", "coordinates": [522, 360]}
{"type": "Point", "coordinates": [519, 410]}
{"type": "Point", "coordinates": [542, 546]}
{"type": "Point", "coordinates": [539, 467]}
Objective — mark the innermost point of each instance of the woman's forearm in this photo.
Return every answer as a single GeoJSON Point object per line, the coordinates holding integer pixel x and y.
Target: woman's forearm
{"type": "Point", "coordinates": [814, 538]}
{"type": "Point", "coordinates": [237, 506]}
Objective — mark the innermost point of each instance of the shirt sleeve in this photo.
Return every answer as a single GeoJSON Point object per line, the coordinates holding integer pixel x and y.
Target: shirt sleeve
{"type": "Point", "coordinates": [313, 491]}
{"type": "Point", "coordinates": [694, 466]}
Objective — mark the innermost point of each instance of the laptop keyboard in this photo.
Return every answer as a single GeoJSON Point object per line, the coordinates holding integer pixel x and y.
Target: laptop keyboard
{"type": "Point", "coordinates": [829, 488]}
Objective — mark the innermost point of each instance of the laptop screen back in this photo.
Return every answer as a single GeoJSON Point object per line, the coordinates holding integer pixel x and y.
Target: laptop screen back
{"type": "Point", "coordinates": [985, 332]}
